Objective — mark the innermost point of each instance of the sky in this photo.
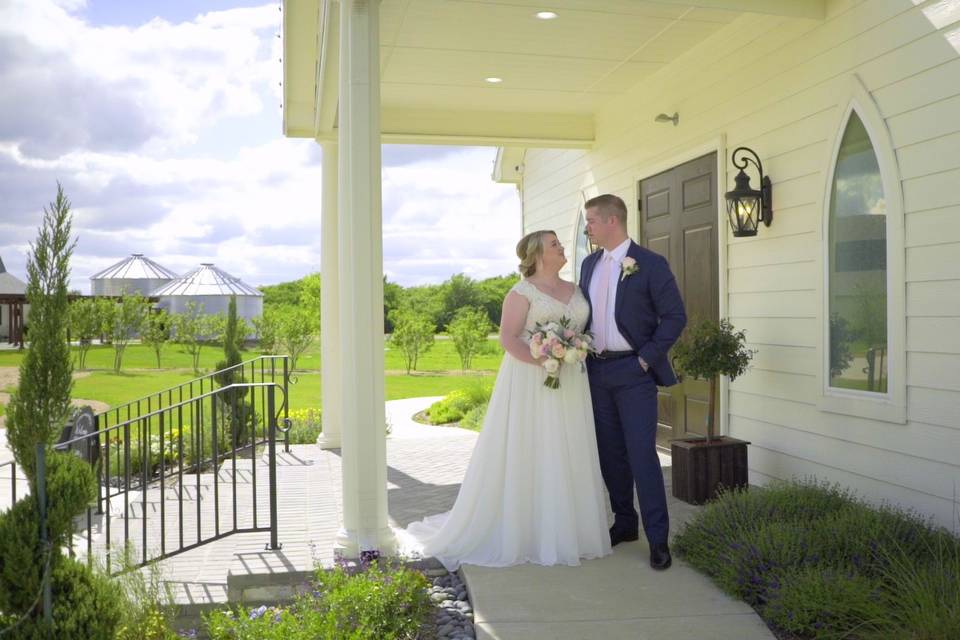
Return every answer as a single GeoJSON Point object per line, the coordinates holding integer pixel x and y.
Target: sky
{"type": "Point", "coordinates": [162, 121]}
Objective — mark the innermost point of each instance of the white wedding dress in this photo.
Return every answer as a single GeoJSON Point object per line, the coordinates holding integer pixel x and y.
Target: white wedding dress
{"type": "Point", "coordinates": [533, 490]}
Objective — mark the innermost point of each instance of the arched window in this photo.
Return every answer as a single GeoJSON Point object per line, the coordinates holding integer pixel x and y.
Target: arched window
{"type": "Point", "coordinates": [858, 266]}
{"type": "Point", "coordinates": [863, 343]}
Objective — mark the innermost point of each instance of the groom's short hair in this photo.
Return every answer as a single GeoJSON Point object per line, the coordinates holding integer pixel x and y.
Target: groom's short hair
{"type": "Point", "coordinates": [609, 205]}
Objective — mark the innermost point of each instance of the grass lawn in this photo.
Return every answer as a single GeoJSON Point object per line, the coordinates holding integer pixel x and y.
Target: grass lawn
{"type": "Point", "coordinates": [443, 357]}
{"type": "Point", "coordinates": [137, 356]}
{"type": "Point", "coordinates": [438, 372]}
{"type": "Point", "coordinates": [115, 389]}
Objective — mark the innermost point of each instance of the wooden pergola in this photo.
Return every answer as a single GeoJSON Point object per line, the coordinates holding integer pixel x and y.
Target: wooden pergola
{"type": "Point", "coordinates": [14, 303]}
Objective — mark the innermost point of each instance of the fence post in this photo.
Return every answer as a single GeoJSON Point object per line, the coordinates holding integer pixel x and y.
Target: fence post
{"type": "Point", "coordinates": [272, 456]}
{"type": "Point", "coordinates": [286, 402]}
{"type": "Point", "coordinates": [101, 478]}
{"type": "Point", "coordinates": [44, 544]}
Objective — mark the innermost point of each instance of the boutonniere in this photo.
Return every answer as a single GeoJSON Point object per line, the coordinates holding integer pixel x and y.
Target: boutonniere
{"type": "Point", "coordinates": [628, 267]}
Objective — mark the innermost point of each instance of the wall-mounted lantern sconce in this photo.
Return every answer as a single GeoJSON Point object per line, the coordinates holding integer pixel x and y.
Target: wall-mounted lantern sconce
{"type": "Point", "coordinates": [747, 207]}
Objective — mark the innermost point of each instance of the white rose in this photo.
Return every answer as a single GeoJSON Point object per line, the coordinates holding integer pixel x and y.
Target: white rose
{"type": "Point", "coordinates": [571, 356]}
{"type": "Point", "coordinates": [551, 365]}
{"type": "Point", "coordinates": [535, 349]}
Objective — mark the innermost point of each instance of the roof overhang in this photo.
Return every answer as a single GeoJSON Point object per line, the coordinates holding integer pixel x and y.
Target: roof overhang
{"type": "Point", "coordinates": [435, 58]}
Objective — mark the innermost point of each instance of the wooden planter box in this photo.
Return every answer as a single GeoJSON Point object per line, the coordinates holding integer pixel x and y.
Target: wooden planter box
{"type": "Point", "coordinates": [700, 467]}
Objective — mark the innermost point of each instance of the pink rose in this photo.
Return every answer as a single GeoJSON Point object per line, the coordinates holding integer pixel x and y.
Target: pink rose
{"type": "Point", "coordinates": [558, 351]}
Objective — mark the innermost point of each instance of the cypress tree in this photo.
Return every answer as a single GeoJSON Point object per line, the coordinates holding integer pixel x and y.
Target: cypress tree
{"type": "Point", "coordinates": [40, 406]}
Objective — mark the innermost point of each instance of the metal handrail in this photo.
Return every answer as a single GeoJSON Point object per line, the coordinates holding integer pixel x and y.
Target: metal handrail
{"type": "Point", "coordinates": [183, 403]}
{"type": "Point", "coordinates": [165, 397]}
{"type": "Point", "coordinates": [132, 466]}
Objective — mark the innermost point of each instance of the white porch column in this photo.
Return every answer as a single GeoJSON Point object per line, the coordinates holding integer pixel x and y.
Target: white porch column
{"type": "Point", "coordinates": [331, 370]}
{"type": "Point", "coordinates": [364, 455]}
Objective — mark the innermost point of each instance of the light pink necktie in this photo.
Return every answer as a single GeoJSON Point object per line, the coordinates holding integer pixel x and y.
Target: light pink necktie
{"type": "Point", "coordinates": [600, 304]}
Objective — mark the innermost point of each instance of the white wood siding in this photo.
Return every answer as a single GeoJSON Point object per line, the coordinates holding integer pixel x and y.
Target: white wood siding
{"type": "Point", "coordinates": [908, 57]}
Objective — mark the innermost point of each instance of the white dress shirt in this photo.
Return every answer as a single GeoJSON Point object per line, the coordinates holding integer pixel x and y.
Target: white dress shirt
{"type": "Point", "coordinates": [615, 340]}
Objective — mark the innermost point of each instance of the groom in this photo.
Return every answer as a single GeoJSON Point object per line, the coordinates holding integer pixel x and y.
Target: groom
{"type": "Point", "coordinates": [636, 315]}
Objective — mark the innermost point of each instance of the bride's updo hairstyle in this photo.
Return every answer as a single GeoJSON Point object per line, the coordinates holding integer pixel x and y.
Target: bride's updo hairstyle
{"type": "Point", "coordinates": [530, 249]}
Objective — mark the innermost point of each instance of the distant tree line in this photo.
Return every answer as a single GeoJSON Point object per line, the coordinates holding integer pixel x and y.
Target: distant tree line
{"type": "Point", "coordinates": [465, 309]}
{"type": "Point", "coordinates": [438, 303]}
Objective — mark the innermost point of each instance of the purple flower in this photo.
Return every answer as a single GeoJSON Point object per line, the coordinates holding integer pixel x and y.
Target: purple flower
{"type": "Point", "coordinates": [258, 612]}
{"type": "Point", "coordinates": [369, 556]}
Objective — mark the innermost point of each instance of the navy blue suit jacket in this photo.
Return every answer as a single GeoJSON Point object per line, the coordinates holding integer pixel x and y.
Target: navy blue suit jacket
{"type": "Point", "coordinates": [649, 310]}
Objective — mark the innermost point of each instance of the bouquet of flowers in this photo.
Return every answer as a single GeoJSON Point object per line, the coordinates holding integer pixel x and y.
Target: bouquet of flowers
{"type": "Point", "coordinates": [560, 344]}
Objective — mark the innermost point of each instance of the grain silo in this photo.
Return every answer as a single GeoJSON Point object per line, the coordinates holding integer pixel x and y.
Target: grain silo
{"type": "Point", "coordinates": [136, 274]}
{"type": "Point", "coordinates": [211, 288]}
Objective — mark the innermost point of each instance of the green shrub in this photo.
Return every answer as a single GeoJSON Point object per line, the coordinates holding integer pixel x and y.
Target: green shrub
{"type": "Point", "coordinates": [86, 604]}
{"type": "Point", "coordinates": [376, 604]}
{"type": "Point", "coordinates": [20, 557]}
{"type": "Point", "coordinates": [924, 601]}
{"type": "Point", "coordinates": [373, 604]}
{"type": "Point", "coordinates": [145, 610]}
{"type": "Point", "coordinates": [473, 419]}
{"type": "Point", "coordinates": [71, 487]}
{"type": "Point", "coordinates": [450, 409]}
{"type": "Point", "coordinates": [259, 624]}
{"type": "Point", "coordinates": [306, 426]}
{"type": "Point", "coordinates": [818, 563]}
{"type": "Point", "coordinates": [826, 603]}
{"type": "Point", "coordinates": [458, 403]}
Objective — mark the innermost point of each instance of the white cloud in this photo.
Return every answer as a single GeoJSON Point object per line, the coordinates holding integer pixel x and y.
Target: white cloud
{"type": "Point", "coordinates": [161, 136]}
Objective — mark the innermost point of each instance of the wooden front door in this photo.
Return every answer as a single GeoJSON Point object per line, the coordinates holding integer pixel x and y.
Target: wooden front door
{"type": "Point", "coordinates": [678, 218]}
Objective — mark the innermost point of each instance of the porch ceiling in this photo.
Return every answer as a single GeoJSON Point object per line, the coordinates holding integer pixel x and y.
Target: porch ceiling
{"type": "Point", "coordinates": [556, 74]}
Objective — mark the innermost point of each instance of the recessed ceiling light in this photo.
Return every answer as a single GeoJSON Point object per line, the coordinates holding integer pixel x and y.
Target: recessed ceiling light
{"type": "Point", "coordinates": [546, 15]}
{"type": "Point", "coordinates": [494, 80]}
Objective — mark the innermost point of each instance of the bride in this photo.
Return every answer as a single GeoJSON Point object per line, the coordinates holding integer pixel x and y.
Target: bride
{"type": "Point", "coordinates": [533, 490]}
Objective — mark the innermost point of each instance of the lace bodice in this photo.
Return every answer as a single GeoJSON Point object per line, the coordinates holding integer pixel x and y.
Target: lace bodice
{"type": "Point", "coordinates": [544, 308]}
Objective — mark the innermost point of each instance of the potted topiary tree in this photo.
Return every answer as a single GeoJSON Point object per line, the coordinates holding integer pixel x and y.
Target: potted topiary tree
{"type": "Point", "coordinates": [708, 350]}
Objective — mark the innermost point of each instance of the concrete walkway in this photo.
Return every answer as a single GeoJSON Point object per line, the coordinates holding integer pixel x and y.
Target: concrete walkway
{"type": "Point", "coordinates": [617, 597]}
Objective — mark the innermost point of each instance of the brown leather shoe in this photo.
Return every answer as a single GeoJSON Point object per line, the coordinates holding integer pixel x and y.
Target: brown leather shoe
{"type": "Point", "coordinates": [660, 556]}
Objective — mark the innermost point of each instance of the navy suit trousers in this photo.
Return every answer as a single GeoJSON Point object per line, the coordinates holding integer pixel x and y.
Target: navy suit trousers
{"type": "Point", "coordinates": [625, 411]}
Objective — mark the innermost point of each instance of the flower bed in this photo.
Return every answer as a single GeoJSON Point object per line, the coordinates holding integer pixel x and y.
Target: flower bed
{"type": "Point", "coordinates": [379, 601]}
{"type": "Point", "coordinates": [815, 562]}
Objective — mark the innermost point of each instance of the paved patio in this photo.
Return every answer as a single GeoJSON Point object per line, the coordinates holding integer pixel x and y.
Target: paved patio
{"type": "Point", "coordinates": [614, 597]}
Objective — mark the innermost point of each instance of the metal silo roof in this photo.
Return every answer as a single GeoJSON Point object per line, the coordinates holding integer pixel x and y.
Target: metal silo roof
{"type": "Point", "coordinates": [207, 280]}
{"type": "Point", "coordinates": [136, 267]}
